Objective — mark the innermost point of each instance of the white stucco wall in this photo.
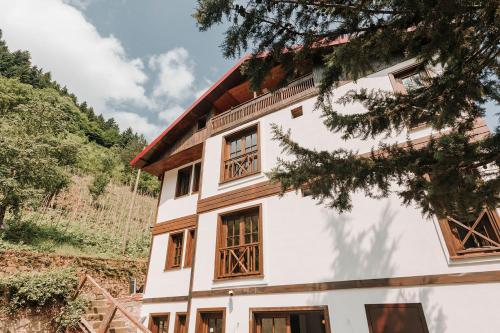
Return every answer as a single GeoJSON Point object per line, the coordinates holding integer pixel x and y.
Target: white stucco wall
{"type": "Point", "coordinates": [171, 207]}
{"type": "Point", "coordinates": [447, 309]}
{"type": "Point", "coordinates": [161, 282]}
{"type": "Point", "coordinates": [171, 308]}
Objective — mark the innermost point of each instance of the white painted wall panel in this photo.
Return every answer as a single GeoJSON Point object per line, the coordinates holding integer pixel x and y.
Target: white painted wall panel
{"type": "Point", "coordinates": [447, 309]}
{"type": "Point", "coordinates": [163, 283]}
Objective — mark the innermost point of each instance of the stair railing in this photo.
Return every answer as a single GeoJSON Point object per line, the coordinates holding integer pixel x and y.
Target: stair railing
{"type": "Point", "coordinates": [114, 307]}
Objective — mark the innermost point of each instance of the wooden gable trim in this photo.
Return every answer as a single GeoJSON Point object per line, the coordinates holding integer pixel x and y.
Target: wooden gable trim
{"type": "Point", "coordinates": [234, 197]}
{"type": "Point", "coordinates": [185, 222]}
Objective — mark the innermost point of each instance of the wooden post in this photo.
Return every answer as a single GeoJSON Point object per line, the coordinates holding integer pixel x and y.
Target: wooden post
{"type": "Point", "coordinates": [131, 207]}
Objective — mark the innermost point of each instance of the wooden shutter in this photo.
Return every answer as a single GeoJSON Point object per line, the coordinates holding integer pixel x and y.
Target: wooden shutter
{"type": "Point", "coordinates": [396, 318]}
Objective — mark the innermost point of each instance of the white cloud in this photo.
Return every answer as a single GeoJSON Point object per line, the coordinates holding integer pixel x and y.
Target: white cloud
{"type": "Point", "coordinates": [170, 114]}
{"type": "Point", "coordinates": [96, 68]}
{"type": "Point", "coordinates": [138, 123]}
{"type": "Point", "coordinates": [175, 74]}
{"type": "Point", "coordinates": [80, 4]}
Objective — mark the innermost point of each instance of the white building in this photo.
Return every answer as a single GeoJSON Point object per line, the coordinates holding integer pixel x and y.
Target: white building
{"type": "Point", "coordinates": [230, 255]}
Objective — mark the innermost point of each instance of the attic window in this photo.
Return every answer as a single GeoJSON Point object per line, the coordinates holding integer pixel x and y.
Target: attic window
{"type": "Point", "coordinates": [296, 112]}
{"type": "Point", "coordinates": [202, 123]}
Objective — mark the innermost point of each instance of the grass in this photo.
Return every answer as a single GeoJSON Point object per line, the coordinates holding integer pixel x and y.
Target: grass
{"type": "Point", "coordinates": [75, 224]}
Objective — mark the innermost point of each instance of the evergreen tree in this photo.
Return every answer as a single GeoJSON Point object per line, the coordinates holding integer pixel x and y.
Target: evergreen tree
{"type": "Point", "coordinates": [445, 177]}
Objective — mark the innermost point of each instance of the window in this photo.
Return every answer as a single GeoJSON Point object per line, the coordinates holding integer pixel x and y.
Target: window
{"type": "Point", "coordinates": [465, 238]}
{"type": "Point", "coordinates": [196, 178]}
{"type": "Point", "coordinates": [183, 180]}
{"type": "Point", "coordinates": [396, 318]}
{"type": "Point", "coordinates": [296, 112]}
{"type": "Point", "coordinates": [180, 323]}
{"type": "Point", "coordinates": [409, 78]}
{"type": "Point", "coordinates": [158, 323]}
{"type": "Point", "coordinates": [312, 319]}
{"type": "Point", "coordinates": [211, 321]}
{"type": "Point", "coordinates": [188, 261]}
{"type": "Point", "coordinates": [239, 244]}
{"type": "Point", "coordinates": [241, 154]}
{"type": "Point", "coordinates": [174, 251]}
{"type": "Point", "coordinates": [202, 123]}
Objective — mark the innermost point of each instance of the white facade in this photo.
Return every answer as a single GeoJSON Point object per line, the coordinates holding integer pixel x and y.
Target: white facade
{"type": "Point", "coordinates": [307, 243]}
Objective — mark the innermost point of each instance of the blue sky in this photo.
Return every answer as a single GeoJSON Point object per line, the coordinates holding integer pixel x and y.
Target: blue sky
{"type": "Point", "coordinates": [139, 61]}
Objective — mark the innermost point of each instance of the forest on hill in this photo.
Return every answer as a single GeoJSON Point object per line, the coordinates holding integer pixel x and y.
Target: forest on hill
{"type": "Point", "coordinates": [64, 170]}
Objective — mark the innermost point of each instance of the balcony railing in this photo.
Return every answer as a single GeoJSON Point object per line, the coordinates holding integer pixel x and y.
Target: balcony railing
{"type": "Point", "coordinates": [241, 166]}
{"type": "Point", "coordinates": [257, 107]}
{"type": "Point", "coordinates": [239, 260]}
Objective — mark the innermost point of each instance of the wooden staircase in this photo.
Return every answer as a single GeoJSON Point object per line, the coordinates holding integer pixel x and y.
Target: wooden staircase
{"type": "Point", "coordinates": [105, 314]}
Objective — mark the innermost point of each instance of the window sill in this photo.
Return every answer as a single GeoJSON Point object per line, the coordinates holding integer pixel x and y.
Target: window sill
{"type": "Point", "coordinates": [239, 281]}
{"type": "Point", "coordinates": [172, 269]}
{"type": "Point", "coordinates": [222, 182]}
{"type": "Point", "coordinates": [242, 180]}
{"type": "Point", "coordinates": [495, 255]}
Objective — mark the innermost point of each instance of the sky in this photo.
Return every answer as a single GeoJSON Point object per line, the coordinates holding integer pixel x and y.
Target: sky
{"type": "Point", "coordinates": [141, 62]}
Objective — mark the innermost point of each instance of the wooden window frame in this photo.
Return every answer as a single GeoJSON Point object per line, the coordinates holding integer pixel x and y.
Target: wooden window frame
{"type": "Point", "coordinates": [177, 184]}
{"type": "Point", "coordinates": [219, 241]}
{"type": "Point", "coordinates": [297, 112]}
{"type": "Point", "coordinates": [195, 184]}
{"type": "Point", "coordinates": [418, 306]}
{"type": "Point", "coordinates": [169, 264]}
{"type": "Point", "coordinates": [199, 317]}
{"type": "Point", "coordinates": [190, 247]}
{"type": "Point", "coordinates": [398, 87]}
{"type": "Point", "coordinates": [224, 152]}
{"type": "Point", "coordinates": [177, 321]}
{"type": "Point", "coordinates": [289, 310]}
{"type": "Point", "coordinates": [158, 314]}
{"type": "Point", "coordinates": [451, 241]}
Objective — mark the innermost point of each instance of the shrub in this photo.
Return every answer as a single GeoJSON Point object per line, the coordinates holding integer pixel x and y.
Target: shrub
{"type": "Point", "coordinates": [98, 186]}
{"type": "Point", "coordinates": [71, 314]}
{"type": "Point", "coordinates": [36, 290]}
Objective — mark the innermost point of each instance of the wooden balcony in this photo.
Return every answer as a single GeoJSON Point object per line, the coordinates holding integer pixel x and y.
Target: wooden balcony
{"type": "Point", "coordinates": [241, 166]}
{"type": "Point", "coordinates": [297, 90]}
{"type": "Point", "coordinates": [239, 260]}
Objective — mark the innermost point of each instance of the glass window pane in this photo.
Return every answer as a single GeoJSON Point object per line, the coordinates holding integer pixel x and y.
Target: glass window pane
{"type": "Point", "coordinates": [267, 325]}
{"type": "Point", "coordinates": [279, 325]}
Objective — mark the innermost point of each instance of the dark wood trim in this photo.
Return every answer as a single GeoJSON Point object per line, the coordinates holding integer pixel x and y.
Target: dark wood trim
{"type": "Point", "coordinates": [240, 195]}
{"type": "Point", "coordinates": [176, 323]}
{"type": "Point", "coordinates": [418, 306]}
{"type": "Point", "coordinates": [180, 223]}
{"type": "Point", "coordinates": [183, 169]}
{"type": "Point", "coordinates": [152, 235]}
{"type": "Point", "coordinates": [201, 311]}
{"type": "Point", "coordinates": [191, 276]}
{"type": "Point", "coordinates": [218, 244]}
{"type": "Point", "coordinates": [168, 299]}
{"type": "Point", "coordinates": [290, 309]}
{"type": "Point", "coordinates": [409, 281]}
{"type": "Point", "coordinates": [224, 156]}
{"type": "Point", "coordinates": [479, 132]}
{"type": "Point", "coordinates": [158, 314]}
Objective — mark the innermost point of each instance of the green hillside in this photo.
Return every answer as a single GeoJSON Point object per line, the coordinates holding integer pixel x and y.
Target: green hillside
{"type": "Point", "coordinates": [52, 143]}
